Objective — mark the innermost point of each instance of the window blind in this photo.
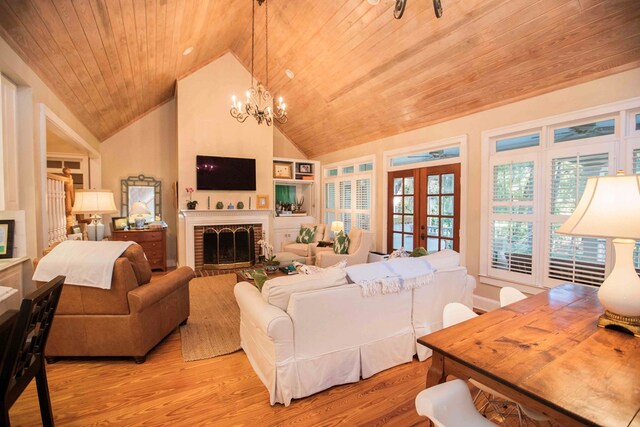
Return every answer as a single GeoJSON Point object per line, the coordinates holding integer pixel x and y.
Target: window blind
{"type": "Point", "coordinates": [636, 170]}
{"type": "Point", "coordinates": [330, 195]}
{"type": "Point", "coordinates": [574, 259]}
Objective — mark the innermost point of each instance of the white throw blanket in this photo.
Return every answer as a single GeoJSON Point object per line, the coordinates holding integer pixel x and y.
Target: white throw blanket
{"type": "Point", "coordinates": [84, 263]}
{"type": "Point", "coordinates": [395, 275]}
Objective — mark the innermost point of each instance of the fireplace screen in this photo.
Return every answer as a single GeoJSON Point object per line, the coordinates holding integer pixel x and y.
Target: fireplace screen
{"type": "Point", "coordinates": [228, 247]}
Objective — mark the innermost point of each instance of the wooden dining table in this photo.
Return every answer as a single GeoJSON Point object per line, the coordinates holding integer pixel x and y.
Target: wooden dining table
{"type": "Point", "coordinates": [547, 353]}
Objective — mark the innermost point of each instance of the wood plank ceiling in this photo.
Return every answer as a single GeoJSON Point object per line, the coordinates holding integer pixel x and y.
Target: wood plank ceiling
{"type": "Point", "coordinates": [360, 75]}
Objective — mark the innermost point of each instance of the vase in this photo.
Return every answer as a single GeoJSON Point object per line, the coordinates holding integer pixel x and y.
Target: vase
{"type": "Point", "coordinates": [271, 267]}
{"type": "Point", "coordinates": [192, 205]}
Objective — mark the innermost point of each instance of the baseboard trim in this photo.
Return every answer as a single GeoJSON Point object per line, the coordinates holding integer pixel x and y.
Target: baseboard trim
{"type": "Point", "coordinates": [484, 303]}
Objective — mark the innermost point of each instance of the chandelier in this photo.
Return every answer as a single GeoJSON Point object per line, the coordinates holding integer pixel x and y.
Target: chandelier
{"type": "Point", "coordinates": [258, 99]}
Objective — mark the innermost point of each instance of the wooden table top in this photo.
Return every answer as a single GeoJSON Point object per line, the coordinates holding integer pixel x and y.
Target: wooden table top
{"type": "Point", "coordinates": [549, 348]}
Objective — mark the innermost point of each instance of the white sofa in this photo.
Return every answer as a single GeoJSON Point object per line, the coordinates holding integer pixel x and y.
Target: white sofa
{"type": "Point", "coordinates": [304, 334]}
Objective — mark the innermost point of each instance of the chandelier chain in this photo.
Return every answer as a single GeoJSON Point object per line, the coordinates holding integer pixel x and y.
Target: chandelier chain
{"type": "Point", "coordinates": [253, 24]}
{"type": "Point", "coordinates": [266, 33]}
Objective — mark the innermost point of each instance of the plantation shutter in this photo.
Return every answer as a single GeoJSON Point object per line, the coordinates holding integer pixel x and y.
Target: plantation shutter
{"type": "Point", "coordinates": [345, 204]}
{"type": "Point", "coordinates": [574, 259]}
{"type": "Point", "coordinates": [363, 203]}
{"type": "Point", "coordinates": [512, 217]}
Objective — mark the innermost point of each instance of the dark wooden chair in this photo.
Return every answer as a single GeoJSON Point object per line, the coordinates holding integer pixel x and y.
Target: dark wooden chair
{"type": "Point", "coordinates": [23, 336]}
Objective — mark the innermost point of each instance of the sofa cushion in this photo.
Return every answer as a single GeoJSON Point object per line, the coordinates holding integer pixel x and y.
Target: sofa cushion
{"type": "Point", "coordinates": [444, 260]}
{"type": "Point", "coordinates": [341, 243]}
{"type": "Point", "coordinates": [306, 234]}
{"type": "Point", "coordinates": [141, 267]}
{"type": "Point", "coordinates": [277, 291]}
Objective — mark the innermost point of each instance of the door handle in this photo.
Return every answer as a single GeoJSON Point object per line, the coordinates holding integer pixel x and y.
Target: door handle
{"type": "Point", "coordinates": [423, 236]}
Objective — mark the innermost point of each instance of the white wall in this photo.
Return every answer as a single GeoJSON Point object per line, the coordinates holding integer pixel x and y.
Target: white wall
{"type": "Point", "coordinates": [146, 147]}
{"type": "Point", "coordinates": [597, 92]}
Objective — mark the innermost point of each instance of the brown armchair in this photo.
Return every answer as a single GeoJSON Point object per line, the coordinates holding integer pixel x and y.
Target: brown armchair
{"type": "Point", "coordinates": [127, 320]}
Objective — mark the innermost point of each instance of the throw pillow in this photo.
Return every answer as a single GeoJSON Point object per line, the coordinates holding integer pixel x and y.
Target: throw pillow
{"type": "Point", "coordinates": [341, 243]}
{"type": "Point", "coordinates": [306, 234]}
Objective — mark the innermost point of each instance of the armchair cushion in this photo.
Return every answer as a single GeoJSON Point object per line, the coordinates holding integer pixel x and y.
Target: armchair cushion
{"type": "Point", "coordinates": [341, 243]}
{"type": "Point", "coordinates": [306, 235]}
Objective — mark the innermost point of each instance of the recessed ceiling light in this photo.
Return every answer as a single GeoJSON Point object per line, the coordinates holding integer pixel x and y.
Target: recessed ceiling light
{"type": "Point", "coordinates": [373, 2]}
{"type": "Point", "coordinates": [289, 73]}
{"type": "Point", "coordinates": [187, 51]}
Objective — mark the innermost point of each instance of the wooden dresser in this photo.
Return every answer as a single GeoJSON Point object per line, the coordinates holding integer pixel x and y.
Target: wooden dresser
{"type": "Point", "coordinates": [153, 242]}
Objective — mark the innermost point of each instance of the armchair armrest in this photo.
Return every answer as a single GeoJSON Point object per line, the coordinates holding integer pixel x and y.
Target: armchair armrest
{"type": "Point", "coordinates": [328, 258]}
{"type": "Point", "coordinates": [146, 295]}
{"type": "Point", "coordinates": [269, 319]}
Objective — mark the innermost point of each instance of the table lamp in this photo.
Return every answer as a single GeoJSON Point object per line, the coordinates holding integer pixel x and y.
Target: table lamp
{"type": "Point", "coordinates": [94, 203]}
{"type": "Point", "coordinates": [610, 208]}
{"type": "Point", "coordinates": [139, 212]}
{"type": "Point", "coordinates": [337, 226]}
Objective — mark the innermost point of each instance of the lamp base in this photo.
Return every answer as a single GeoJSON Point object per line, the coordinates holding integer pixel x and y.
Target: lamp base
{"type": "Point", "coordinates": [611, 320]}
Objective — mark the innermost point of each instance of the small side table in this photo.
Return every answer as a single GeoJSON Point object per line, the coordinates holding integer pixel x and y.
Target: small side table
{"type": "Point", "coordinates": [153, 242]}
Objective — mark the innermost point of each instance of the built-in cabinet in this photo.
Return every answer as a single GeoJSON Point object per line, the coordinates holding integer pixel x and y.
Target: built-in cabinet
{"type": "Point", "coordinates": [296, 197]}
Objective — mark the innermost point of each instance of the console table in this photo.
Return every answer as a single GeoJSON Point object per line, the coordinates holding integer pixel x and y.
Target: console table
{"type": "Point", "coordinates": [153, 242]}
{"type": "Point", "coordinates": [547, 353]}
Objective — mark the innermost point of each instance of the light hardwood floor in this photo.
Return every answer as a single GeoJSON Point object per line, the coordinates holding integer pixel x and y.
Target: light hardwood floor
{"type": "Point", "coordinates": [221, 391]}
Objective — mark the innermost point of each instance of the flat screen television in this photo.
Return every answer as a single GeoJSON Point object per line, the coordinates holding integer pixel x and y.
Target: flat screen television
{"type": "Point", "coordinates": [225, 173]}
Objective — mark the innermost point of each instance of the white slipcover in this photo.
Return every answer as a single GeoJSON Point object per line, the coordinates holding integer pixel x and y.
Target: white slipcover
{"type": "Point", "coordinates": [330, 336]}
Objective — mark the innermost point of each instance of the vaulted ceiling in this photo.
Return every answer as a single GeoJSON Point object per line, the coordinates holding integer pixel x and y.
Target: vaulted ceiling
{"type": "Point", "coordinates": [360, 74]}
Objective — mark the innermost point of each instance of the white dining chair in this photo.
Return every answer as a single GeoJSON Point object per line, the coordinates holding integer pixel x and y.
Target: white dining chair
{"type": "Point", "coordinates": [509, 295]}
{"type": "Point", "coordinates": [450, 405]}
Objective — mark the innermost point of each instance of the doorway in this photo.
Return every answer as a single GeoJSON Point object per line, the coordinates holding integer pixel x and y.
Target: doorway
{"type": "Point", "coordinates": [424, 208]}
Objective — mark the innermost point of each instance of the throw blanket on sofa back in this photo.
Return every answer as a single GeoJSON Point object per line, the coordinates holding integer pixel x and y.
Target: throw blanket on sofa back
{"type": "Point", "coordinates": [391, 276]}
{"type": "Point", "coordinates": [84, 263]}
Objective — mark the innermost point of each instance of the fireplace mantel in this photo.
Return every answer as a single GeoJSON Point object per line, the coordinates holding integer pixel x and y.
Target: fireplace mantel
{"type": "Point", "coordinates": [188, 219]}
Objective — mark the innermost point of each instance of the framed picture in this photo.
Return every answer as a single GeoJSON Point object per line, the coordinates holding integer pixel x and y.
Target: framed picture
{"type": "Point", "coordinates": [282, 170]}
{"type": "Point", "coordinates": [263, 201]}
{"type": "Point", "coordinates": [75, 229]}
{"type": "Point", "coordinates": [304, 167]}
{"type": "Point", "coordinates": [120, 223]}
{"type": "Point", "coordinates": [6, 238]}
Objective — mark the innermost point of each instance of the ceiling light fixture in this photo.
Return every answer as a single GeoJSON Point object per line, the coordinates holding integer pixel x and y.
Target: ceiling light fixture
{"type": "Point", "coordinates": [259, 100]}
{"type": "Point", "coordinates": [289, 73]}
{"type": "Point", "coordinates": [187, 51]}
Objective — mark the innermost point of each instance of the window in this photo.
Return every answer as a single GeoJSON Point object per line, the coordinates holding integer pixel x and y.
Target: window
{"type": "Point", "coordinates": [428, 156]}
{"type": "Point", "coordinates": [512, 217]}
{"type": "Point", "coordinates": [348, 195]}
{"type": "Point", "coordinates": [535, 179]}
{"type": "Point", "coordinates": [636, 170]}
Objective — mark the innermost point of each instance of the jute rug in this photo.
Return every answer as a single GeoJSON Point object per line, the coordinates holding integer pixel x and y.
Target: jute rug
{"type": "Point", "coordinates": [213, 328]}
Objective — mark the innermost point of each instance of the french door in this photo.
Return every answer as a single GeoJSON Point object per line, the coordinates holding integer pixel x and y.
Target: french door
{"type": "Point", "coordinates": [424, 209]}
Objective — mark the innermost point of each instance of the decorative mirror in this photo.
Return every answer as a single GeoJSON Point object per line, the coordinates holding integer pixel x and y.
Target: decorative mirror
{"type": "Point", "coordinates": [144, 189]}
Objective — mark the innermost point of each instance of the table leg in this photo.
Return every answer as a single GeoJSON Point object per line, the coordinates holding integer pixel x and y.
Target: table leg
{"type": "Point", "coordinates": [436, 374]}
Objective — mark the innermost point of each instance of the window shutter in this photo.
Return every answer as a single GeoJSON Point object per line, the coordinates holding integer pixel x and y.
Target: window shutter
{"type": "Point", "coordinates": [574, 259]}
{"type": "Point", "coordinates": [330, 195]}
{"type": "Point", "coordinates": [363, 194]}
{"type": "Point", "coordinates": [512, 217]}
{"type": "Point", "coordinates": [345, 195]}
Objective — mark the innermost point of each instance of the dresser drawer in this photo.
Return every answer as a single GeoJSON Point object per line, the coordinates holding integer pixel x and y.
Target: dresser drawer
{"type": "Point", "coordinates": [153, 252]}
{"type": "Point", "coordinates": [149, 246]}
{"type": "Point", "coordinates": [147, 236]}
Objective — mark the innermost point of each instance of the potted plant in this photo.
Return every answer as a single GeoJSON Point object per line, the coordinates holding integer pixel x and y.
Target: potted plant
{"type": "Point", "coordinates": [270, 263]}
{"type": "Point", "coordinates": [191, 204]}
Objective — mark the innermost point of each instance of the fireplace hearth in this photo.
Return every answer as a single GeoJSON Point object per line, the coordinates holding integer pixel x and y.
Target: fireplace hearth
{"type": "Point", "coordinates": [226, 247]}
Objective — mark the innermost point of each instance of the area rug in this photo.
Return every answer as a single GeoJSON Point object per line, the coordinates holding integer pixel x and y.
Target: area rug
{"type": "Point", "coordinates": [213, 328]}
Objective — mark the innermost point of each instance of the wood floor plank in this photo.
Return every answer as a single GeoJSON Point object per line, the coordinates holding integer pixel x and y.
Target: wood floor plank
{"type": "Point", "coordinates": [220, 391]}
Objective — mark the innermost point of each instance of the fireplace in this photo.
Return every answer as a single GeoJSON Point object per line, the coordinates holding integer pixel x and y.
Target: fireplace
{"type": "Point", "coordinates": [226, 247]}
{"type": "Point", "coordinates": [193, 223]}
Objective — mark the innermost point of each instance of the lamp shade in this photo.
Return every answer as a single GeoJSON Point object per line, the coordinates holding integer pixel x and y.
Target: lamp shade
{"type": "Point", "coordinates": [139, 208]}
{"type": "Point", "coordinates": [609, 207]}
{"type": "Point", "coordinates": [94, 202]}
{"type": "Point", "coordinates": [337, 226]}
